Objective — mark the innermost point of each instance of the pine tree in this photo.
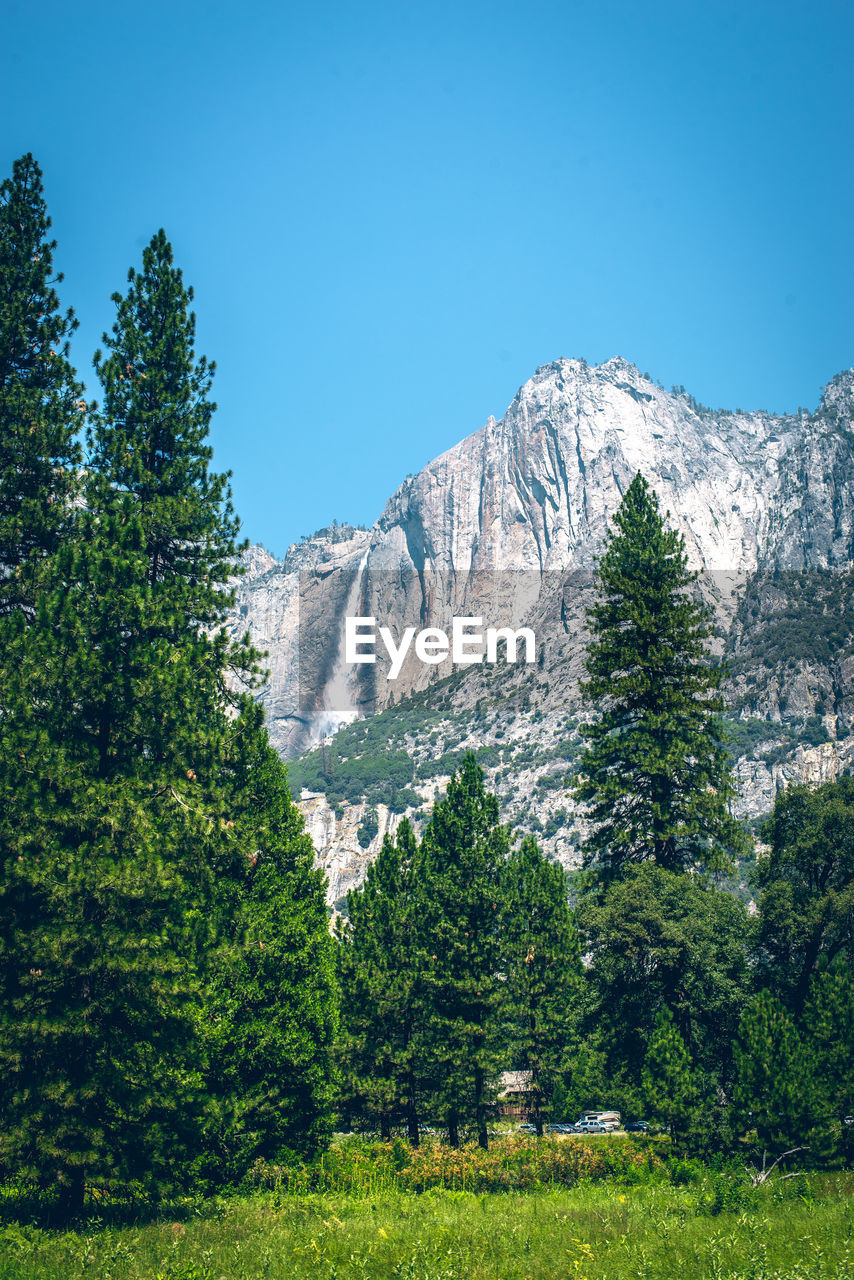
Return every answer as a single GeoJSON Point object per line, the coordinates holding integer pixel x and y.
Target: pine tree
{"type": "Point", "coordinates": [669, 1084]}
{"type": "Point", "coordinates": [39, 395]}
{"type": "Point", "coordinates": [270, 1001]}
{"type": "Point", "coordinates": [806, 904]}
{"type": "Point", "coordinates": [161, 531]}
{"type": "Point", "coordinates": [774, 1090]}
{"type": "Point", "coordinates": [658, 938]}
{"type": "Point", "coordinates": [463, 854]}
{"type": "Point", "coordinates": [656, 774]}
{"type": "Point", "coordinates": [381, 990]}
{"type": "Point", "coordinates": [543, 969]}
{"type": "Point", "coordinates": [828, 1035]}
{"type": "Point", "coordinates": [118, 801]}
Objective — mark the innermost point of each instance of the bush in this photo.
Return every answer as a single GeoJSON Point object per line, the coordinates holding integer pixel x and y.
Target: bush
{"type": "Point", "coordinates": [517, 1163]}
{"type": "Point", "coordinates": [368, 828]}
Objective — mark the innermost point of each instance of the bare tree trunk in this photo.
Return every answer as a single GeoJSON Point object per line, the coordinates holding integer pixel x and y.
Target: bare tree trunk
{"type": "Point", "coordinates": [72, 1194]}
{"type": "Point", "coordinates": [480, 1108]}
{"type": "Point", "coordinates": [411, 1111]}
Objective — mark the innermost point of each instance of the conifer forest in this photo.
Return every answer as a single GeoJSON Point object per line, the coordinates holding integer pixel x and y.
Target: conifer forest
{"type": "Point", "coordinates": [185, 1024]}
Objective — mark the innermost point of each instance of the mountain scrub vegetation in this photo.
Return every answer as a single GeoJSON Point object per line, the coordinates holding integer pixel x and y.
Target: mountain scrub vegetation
{"type": "Point", "coordinates": [185, 1034]}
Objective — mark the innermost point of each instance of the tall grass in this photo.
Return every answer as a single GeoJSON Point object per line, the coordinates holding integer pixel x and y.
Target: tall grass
{"type": "Point", "coordinates": [801, 1230]}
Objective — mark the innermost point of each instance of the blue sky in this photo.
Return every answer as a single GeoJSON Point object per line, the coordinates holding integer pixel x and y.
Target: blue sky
{"type": "Point", "coordinates": [392, 214]}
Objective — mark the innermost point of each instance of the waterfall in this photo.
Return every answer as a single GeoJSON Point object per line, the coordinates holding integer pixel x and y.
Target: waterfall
{"type": "Point", "coordinates": [339, 694]}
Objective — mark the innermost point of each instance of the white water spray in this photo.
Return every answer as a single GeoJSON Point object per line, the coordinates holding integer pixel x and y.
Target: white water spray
{"type": "Point", "coordinates": [339, 696]}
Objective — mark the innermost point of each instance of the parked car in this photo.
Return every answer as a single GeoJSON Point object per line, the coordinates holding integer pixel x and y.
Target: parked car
{"type": "Point", "coordinates": [637, 1126]}
{"type": "Point", "coordinates": [527, 1128]}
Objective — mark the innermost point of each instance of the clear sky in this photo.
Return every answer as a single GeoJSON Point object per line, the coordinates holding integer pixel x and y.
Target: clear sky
{"type": "Point", "coordinates": [393, 213]}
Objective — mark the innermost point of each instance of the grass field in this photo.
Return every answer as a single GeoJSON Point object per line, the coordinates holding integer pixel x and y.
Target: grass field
{"type": "Point", "coordinates": [799, 1230]}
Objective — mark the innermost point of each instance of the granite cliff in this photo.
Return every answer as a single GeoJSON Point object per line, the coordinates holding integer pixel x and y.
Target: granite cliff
{"type": "Point", "coordinates": [506, 526]}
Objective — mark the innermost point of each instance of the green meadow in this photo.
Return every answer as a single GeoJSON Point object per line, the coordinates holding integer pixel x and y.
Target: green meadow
{"type": "Point", "coordinates": [715, 1226]}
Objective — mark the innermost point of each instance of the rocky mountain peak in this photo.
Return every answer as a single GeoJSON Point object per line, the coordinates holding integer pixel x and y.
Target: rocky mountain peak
{"type": "Point", "coordinates": [837, 398]}
{"type": "Point", "coordinates": [510, 521]}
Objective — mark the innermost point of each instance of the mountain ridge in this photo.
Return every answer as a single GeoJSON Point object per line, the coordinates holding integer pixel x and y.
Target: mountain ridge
{"type": "Point", "coordinates": [507, 524]}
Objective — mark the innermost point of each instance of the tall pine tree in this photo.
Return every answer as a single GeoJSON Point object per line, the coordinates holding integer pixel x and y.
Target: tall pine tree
{"type": "Point", "coordinates": [136, 817]}
{"type": "Point", "coordinates": [655, 774]}
{"type": "Point", "coordinates": [543, 970]}
{"type": "Point", "coordinates": [161, 532]}
{"type": "Point", "coordinates": [270, 999]}
{"type": "Point", "coordinates": [380, 959]}
{"type": "Point", "coordinates": [462, 864]}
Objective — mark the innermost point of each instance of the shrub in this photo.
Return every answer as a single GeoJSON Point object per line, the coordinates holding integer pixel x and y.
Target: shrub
{"type": "Point", "coordinates": [518, 1163]}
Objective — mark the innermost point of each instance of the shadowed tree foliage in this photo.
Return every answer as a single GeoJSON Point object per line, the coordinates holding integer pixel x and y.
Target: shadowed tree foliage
{"type": "Point", "coordinates": [828, 1033]}
{"type": "Point", "coordinates": [543, 970]}
{"type": "Point", "coordinates": [806, 881]}
{"type": "Point", "coordinates": [655, 773]}
{"type": "Point", "coordinates": [665, 940]}
{"type": "Point", "coordinates": [670, 1087]}
{"type": "Point", "coordinates": [270, 999]}
{"type": "Point", "coordinates": [461, 869]}
{"type": "Point", "coordinates": [380, 962]}
{"type": "Point", "coordinates": [774, 1087]}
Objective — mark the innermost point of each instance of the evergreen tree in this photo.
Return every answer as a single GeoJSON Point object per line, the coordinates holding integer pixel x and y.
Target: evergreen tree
{"type": "Point", "coordinates": [655, 773]}
{"type": "Point", "coordinates": [774, 1090]}
{"type": "Point", "coordinates": [270, 1001]}
{"type": "Point", "coordinates": [381, 990]}
{"type": "Point", "coordinates": [543, 970]}
{"type": "Point", "coordinates": [828, 1035]}
{"type": "Point", "coordinates": [116, 797]}
{"type": "Point", "coordinates": [463, 852]}
{"type": "Point", "coordinates": [160, 531]}
{"type": "Point", "coordinates": [806, 880]}
{"type": "Point", "coordinates": [662, 939]}
{"type": "Point", "coordinates": [669, 1084]}
{"type": "Point", "coordinates": [39, 394]}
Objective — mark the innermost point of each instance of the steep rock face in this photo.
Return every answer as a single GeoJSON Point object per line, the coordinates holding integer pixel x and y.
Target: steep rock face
{"type": "Point", "coordinates": [507, 525]}
{"type": "Point", "coordinates": [490, 526]}
{"type": "Point", "coordinates": [293, 610]}
{"type": "Point", "coordinates": [335, 837]}
{"type": "Point", "coordinates": [535, 491]}
{"type": "Point", "coordinates": [759, 780]}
